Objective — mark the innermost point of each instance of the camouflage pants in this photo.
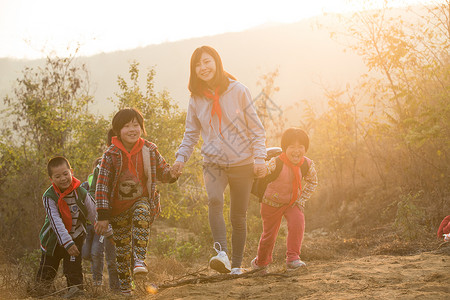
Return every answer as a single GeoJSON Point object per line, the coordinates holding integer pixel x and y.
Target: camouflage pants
{"type": "Point", "coordinates": [131, 234]}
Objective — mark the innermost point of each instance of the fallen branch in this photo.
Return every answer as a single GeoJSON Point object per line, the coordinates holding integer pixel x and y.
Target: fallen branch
{"type": "Point", "coordinates": [196, 273]}
{"type": "Point", "coordinates": [220, 277]}
{"type": "Point", "coordinates": [442, 244]}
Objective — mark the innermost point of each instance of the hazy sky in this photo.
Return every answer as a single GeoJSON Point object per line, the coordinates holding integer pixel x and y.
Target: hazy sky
{"type": "Point", "coordinates": [37, 28]}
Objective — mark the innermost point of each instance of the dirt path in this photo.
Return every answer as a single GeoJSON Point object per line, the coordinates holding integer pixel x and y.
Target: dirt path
{"type": "Point", "coordinates": [338, 268]}
{"type": "Point", "coordinates": [422, 276]}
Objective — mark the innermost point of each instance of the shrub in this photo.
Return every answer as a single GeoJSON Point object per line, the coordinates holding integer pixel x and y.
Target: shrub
{"type": "Point", "coordinates": [409, 218]}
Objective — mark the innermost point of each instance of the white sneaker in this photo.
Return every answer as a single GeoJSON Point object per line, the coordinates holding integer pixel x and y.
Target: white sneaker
{"type": "Point", "coordinates": [237, 271]}
{"type": "Point", "coordinates": [139, 267]}
{"type": "Point", "coordinates": [256, 267]}
{"type": "Point", "coordinates": [220, 262]}
{"type": "Point", "coordinates": [295, 264]}
{"type": "Point", "coordinates": [447, 237]}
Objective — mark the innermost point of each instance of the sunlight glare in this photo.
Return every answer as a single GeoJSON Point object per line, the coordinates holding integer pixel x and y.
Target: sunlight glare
{"type": "Point", "coordinates": [33, 29]}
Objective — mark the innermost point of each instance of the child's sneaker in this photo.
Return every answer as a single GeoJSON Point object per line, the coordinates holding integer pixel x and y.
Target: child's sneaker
{"type": "Point", "coordinates": [220, 262]}
{"type": "Point", "coordinates": [97, 283]}
{"type": "Point", "coordinates": [126, 293]}
{"type": "Point", "coordinates": [73, 292]}
{"type": "Point", "coordinates": [255, 266]}
{"type": "Point", "coordinates": [295, 264]}
{"type": "Point", "coordinates": [237, 271]}
{"type": "Point", "coordinates": [447, 237]}
{"type": "Point", "coordinates": [139, 267]}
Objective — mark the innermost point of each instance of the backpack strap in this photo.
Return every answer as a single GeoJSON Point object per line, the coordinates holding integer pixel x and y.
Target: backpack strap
{"type": "Point", "coordinates": [278, 167]}
{"type": "Point", "coordinates": [260, 184]}
{"type": "Point", "coordinates": [304, 168]}
{"type": "Point", "coordinates": [146, 161]}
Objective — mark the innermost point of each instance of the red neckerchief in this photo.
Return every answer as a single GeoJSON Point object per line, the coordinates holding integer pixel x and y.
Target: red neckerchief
{"type": "Point", "coordinates": [297, 183]}
{"type": "Point", "coordinates": [62, 205]}
{"type": "Point", "coordinates": [216, 109]}
{"type": "Point", "coordinates": [136, 148]}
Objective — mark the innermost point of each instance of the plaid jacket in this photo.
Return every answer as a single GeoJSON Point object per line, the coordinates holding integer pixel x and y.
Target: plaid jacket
{"type": "Point", "coordinates": [110, 168]}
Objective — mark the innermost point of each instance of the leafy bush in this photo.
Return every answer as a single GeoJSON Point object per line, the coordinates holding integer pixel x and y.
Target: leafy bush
{"type": "Point", "coordinates": [410, 217]}
{"type": "Point", "coordinates": [167, 245]}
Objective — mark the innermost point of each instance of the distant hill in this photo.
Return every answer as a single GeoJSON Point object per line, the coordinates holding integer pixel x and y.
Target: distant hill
{"type": "Point", "coordinates": [305, 56]}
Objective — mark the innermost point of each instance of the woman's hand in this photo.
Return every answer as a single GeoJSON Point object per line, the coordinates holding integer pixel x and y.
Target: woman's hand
{"type": "Point", "coordinates": [101, 227]}
{"type": "Point", "coordinates": [260, 170]}
{"type": "Point", "coordinates": [177, 169]}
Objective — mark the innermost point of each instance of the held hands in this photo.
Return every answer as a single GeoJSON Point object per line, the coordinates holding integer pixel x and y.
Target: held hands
{"type": "Point", "coordinates": [73, 251]}
{"type": "Point", "coordinates": [177, 169]}
{"type": "Point", "coordinates": [260, 170]}
{"type": "Point", "coordinates": [101, 227]}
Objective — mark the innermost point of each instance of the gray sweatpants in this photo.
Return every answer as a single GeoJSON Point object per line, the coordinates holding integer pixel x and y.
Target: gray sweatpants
{"type": "Point", "coordinates": [240, 180]}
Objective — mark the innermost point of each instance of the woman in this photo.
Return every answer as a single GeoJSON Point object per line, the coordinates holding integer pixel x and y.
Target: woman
{"type": "Point", "coordinates": [233, 150]}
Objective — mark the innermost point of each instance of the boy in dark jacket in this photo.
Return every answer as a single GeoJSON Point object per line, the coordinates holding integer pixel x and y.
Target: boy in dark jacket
{"type": "Point", "coordinates": [67, 206]}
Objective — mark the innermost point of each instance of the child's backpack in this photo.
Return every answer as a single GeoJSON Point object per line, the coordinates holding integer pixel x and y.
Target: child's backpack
{"type": "Point", "coordinates": [260, 184]}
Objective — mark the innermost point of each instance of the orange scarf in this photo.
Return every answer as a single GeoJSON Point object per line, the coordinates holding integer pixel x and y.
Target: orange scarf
{"type": "Point", "coordinates": [136, 148]}
{"type": "Point", "coordinates": [63, 206]}
{"type": "Point", "coordinates": [216, 109]}
{"type": "Point", "coordinates": [297, 183]}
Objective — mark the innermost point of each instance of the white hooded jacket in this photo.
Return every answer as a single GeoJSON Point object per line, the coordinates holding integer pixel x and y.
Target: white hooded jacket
{"type": "Point", "coordinates": [238, 141]}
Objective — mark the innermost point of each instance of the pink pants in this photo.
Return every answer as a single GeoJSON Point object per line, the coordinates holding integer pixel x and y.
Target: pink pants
{"type": "Point", "coordinates": [271, 217]}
